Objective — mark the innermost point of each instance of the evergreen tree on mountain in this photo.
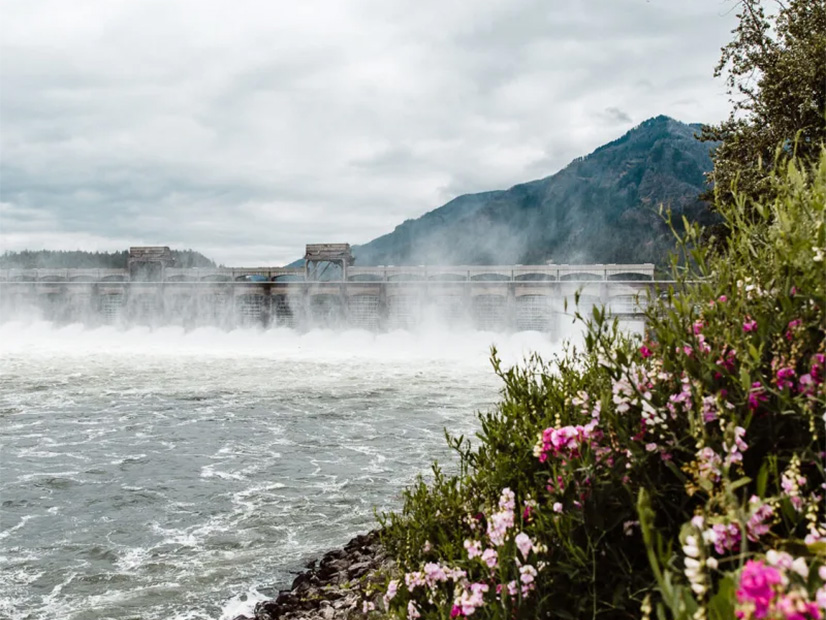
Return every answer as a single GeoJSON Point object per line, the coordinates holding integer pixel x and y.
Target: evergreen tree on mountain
{"type": "Point", "coordinates": [79, 259]}
{"type": "Point", "coordinates": [776, 78]}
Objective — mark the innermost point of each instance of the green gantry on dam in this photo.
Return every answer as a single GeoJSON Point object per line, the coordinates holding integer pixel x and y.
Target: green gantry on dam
{"type": "Point", "coordinates": [329, 290]}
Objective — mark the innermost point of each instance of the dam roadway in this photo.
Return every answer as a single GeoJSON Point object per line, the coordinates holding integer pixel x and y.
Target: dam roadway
{"type": "Point", "coordinates": [513, 297]}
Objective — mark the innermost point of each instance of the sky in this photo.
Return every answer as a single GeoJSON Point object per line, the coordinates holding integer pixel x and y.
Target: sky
{"type": "Point", "coordinates": [245, 129]}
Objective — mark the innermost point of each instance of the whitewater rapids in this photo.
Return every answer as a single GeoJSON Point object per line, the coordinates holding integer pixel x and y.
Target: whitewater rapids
{"type": "Point", "coordinates": [183, 474]}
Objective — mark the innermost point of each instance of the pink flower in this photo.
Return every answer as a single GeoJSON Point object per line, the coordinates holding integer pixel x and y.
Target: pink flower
{"type": "Point", "coordinates": [489, 557]}
{"type": "Point", "coordinates": [818, 363]}
{"type": "Point", "coordinates": [500, 522]}
{"type": "Point", "coordinates": [434, 573]}
{"type": "Point", "coordinates": [757, 395]}
{"type": "Point", "coordinates": [392, 588]}
{"type": "Point", "coordinates": [749, 325]}
{"type": "Point", "coordinates": [727, 362]}
{"type": "Point", "coordinates": [414, 580]}
{"type": "Point", "coordinates": [645, 351]}
{"type": "Point", "coordinates": [513, 587]}
{"type": "Point", "coordinates": [413, 611]}
{"type": "Point", "coordinates": [726, 537]}
{"type": "Point", "coordinates": [757, 583]}
{"type": "Point", "coordinates": [784, 378]}
{"type": "Point", "coordinates": [806, 384]}
{"type": "Point", "coordinates": [474, 548]}
{"type": "Point", "coordinates": [471, 598]}
{"type": "Point", "coordinates": [527, 574]}
{"type": "Point", "coordinates": [708, 464]}
{"type": "Point", "coordinates": [710, 412]}
{"type": "Point", "coordinates": [722, 299]}
{"type": "Point", "coordinates": [524, 544]}
{"type": "Point", "coordinates": [697, 327]}
{"type": "Point", "coordinates": [792, 327]}
{"type": "Point", "coordinates": [565, 441]}
{"type": "Point", "coordinates": [794, 606]}
{"type": "Point", "coordinates": [757, 525]}
{"type": "Point", "coordinates": [734, 452]}
{"type": "Point", "coordinates": [557, 507]}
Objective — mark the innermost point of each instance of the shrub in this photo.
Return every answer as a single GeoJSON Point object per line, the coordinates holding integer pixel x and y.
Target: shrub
{"type": "Point", "coordinates": [680, 475]}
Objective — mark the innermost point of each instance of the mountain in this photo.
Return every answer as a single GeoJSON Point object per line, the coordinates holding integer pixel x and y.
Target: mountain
{"type": "Point", "coordinates": [602, 208]}
{"type": "Point", "coordinates": [55, 259]}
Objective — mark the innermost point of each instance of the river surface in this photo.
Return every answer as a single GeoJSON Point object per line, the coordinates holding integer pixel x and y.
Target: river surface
{"type": "Point", "coordinates": [165, 474]}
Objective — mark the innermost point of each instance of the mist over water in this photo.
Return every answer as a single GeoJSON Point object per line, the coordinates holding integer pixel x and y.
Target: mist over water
{"type": "Point", "coordinates": [172, 473]}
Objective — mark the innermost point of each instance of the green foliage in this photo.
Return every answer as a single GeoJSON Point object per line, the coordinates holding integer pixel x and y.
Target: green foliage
{"type": "Point", "coordinates": [776, 76]}
{"type": "Point", "coordinates": [629, 478]}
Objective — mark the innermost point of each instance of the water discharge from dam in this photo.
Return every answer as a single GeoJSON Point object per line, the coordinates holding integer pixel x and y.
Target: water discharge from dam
{"type": "Point", "coordinates": [173, 473]}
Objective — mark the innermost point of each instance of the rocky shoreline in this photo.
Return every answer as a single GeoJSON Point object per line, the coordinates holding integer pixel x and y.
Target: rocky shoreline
{"type": "Point", "coordinates": [337, 587]}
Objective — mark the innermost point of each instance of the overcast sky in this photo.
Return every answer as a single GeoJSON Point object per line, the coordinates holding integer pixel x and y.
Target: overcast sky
{"type": "Point", "coordinates": [245, 129]}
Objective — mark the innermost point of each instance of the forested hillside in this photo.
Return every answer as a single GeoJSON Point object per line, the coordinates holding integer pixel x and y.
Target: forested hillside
{"type": "Point", "coordinates": [53, 259]}
{"type": "Point", "coordinates": [600, 208]}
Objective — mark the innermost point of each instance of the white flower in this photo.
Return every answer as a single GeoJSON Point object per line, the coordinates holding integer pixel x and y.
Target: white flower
{"type": "Point", "coordinates": [799, 566]}
{"type": "Point", "coordinates": [690, 548]}
{"type": "Point", "coordinates": [779, 558]}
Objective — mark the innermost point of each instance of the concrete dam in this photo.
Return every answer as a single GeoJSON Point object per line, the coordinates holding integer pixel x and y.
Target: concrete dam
{"type": "Point", "coordinates": [328, 291]}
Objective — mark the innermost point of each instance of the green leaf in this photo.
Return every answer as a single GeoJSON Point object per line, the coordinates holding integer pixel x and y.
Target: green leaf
{"type": "Point", "coordinates": [745, 379]}
{"type": "Point", "coordinates": [739, 483]}
{"type": "Point", "coordinates": [762, 479]}
{"type": "Point", "coordinates": [721, 605]}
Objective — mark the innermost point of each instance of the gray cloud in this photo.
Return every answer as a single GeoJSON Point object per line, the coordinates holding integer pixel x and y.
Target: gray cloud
{"type": "Point", "coordinates": [245, 129]}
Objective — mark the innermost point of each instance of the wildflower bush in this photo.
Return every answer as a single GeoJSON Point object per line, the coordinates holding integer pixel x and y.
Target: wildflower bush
{"type": "Point", "coordinates": [678, 475]}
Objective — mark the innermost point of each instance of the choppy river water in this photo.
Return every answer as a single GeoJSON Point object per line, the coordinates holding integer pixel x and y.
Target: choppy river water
{"type": "Point", "coordinates": [183, 475]}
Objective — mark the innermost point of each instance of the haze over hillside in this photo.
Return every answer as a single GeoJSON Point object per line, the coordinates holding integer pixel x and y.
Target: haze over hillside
{"type": "Point", "coordinates": [600, 208]}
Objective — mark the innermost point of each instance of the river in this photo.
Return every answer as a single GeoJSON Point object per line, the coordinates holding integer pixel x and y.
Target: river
{"type": "Point", "coordinates": [172, 474]}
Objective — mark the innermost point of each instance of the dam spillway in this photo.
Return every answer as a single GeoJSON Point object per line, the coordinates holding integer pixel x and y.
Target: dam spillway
{"type": "Point", "coordinates": [494, 299]}
{"type": "Point", "coordinates": [151, 291]}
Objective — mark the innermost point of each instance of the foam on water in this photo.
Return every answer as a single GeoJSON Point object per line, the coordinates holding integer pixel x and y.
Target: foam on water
{"type": "Point", "coordinates": [40, 338]}
{"type": "Point", "coordinates": [183, 474]}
